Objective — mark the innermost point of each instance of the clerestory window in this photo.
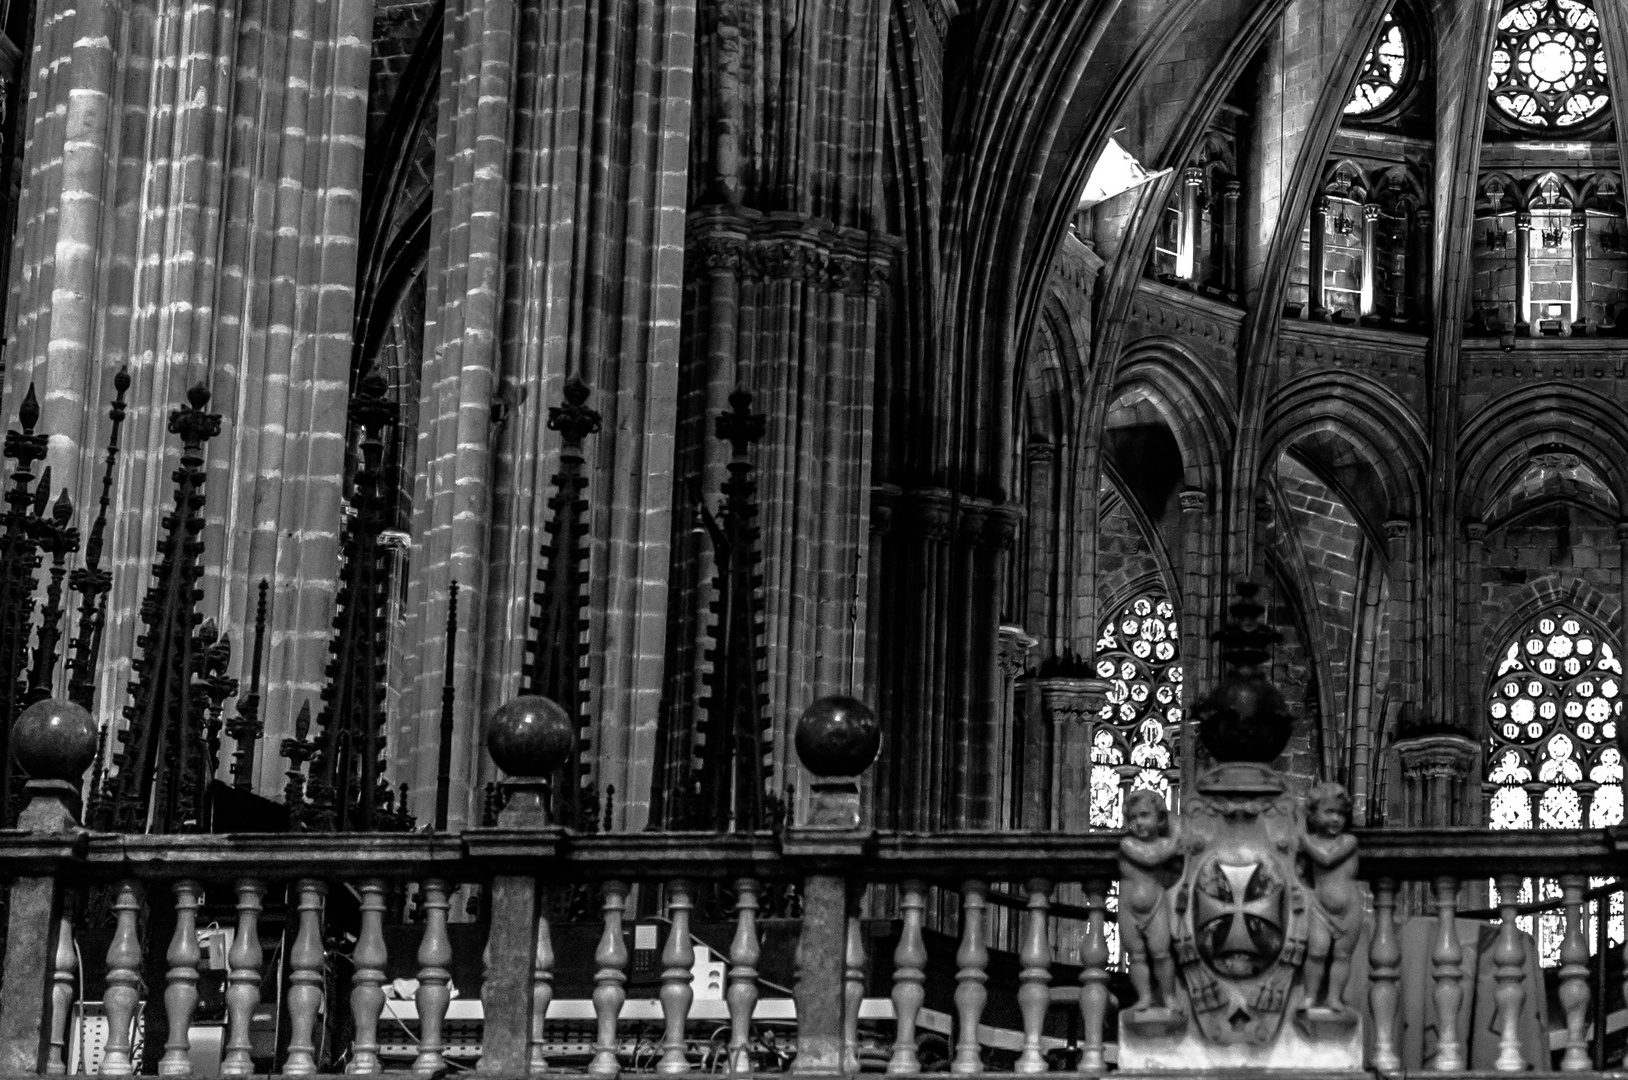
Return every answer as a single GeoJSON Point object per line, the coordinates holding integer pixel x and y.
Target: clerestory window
{"type": "Point", "coordinates": [1386, 71]}
{"type": "Point", "coordinates": [1548, 65]}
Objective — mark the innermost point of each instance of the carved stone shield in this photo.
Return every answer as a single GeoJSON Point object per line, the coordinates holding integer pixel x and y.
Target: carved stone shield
{"type": "Point", "coordinates": [1241, 919]}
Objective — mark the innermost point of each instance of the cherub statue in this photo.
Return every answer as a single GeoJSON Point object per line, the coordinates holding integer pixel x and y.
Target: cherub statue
{"type": "Point", "coordinates": [1148, 858]}
{"type": "Point", "coordinates": [1331, 855]}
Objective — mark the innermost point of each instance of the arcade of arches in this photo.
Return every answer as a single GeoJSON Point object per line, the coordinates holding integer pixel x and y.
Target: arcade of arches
{"type": "Point", "coordinates": [1061, 315]}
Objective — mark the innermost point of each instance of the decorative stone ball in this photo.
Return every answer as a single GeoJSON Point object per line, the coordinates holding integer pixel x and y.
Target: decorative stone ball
{"type": "Point", "coordinates": [838, 736]}
{"type": "Point", "coordinates": [54, 740]}
{"type": "Point", "coordinates": [1244, 719]}
{"type": "Point", "coordinates": [530, 736]}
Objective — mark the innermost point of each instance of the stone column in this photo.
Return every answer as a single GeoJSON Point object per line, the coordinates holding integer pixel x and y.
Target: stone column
{"type": "Point", "coordinates": [1404, 616]}
{"type": "Point", "coordinates": [1579, 272]}
{"type": "Point", "coordinates": [1622, 615]}
{"type": "Point", "coordinates": [1316, 305]}
{"type": "Point", "coordinates": [1471, 630]}
{"type": "Point", "coordinates": [1230, 274]}
{"type": "Point", "coordinates": [1011, 660]}
{"type": "Point", "coordinates": [1192, 185]}
{"type": "Point", "coordinates": [1438, 781]}
{"type": "Point", "coordinates": [1071, 708]}
{"type": "Point", "coordinates": [1422, 241]}
{"type": "Point", "coordinates": [1370, 246]}
{"type": "Point", "coordinates": [1523, 273]}
{"type": "Point", "coordinates": [190, 209]}
{"type": "Point", "coordinates": [1197, 572]}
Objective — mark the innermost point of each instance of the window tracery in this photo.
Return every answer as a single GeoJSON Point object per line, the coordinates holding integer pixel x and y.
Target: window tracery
{"type": "Point", "coordinates": [1385, 71]}
{"type": "Point", "coordinates": [1548, 65]}
{"type": "Point", "coordinates": [1138, 651]}
{"type": "Point", "coordinates": [1553, 710]}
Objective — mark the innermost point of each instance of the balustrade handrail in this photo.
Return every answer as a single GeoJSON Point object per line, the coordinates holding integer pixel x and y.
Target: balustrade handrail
{"type": "Point", "coordinates": [879, 856]}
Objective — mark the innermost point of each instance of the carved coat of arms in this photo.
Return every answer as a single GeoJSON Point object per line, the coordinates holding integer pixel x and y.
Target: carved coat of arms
{"type": "Point", "coordinates": [1241, 915]}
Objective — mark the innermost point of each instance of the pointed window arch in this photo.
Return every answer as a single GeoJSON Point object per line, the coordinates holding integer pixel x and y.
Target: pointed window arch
{"type": "Point", "coordinates": [1387, 71]}
{"type": "Point", "coordinates": [1139, 652]}
{"type": "Point", "coordinates": [1553, 709]}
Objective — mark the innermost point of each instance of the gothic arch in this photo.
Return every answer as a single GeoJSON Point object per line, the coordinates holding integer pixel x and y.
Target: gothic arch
{"type": "Point", "coordinates": [1192, 403]}
{"type": "Point", "coordinates": [1501, 438]}
{"type": "Point", "coordinates": [1372, 418]}
{"type": "Point", "coordinates": [1539, 595]}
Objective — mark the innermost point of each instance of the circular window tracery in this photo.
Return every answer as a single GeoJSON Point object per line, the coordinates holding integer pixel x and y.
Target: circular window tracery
{"type": "Point", "coordinates": [1548, 65]}
{"type": "Point", "coordinates": [1138, 651]}
{"type": "Point", "coordinates": [1385, 71]}
{"type": "Point", "coordinates": [1553, 710]}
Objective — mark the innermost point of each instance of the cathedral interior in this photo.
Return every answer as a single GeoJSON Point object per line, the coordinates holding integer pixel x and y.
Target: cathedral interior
{"type": "Point", "coordinates": [957, 535]}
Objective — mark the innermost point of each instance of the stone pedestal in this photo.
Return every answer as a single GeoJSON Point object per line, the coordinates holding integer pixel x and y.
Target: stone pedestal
{"type": "Point", "coordinates": [1300, 1045]}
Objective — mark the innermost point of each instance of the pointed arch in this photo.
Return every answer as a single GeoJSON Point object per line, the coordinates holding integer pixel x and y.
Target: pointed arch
{"type": "Point", "coordinates": [1189, 399]}
{"type": "Point", "coordinates": [1501, 438]}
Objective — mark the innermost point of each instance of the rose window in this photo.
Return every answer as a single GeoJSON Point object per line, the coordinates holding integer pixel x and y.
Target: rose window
{"type": "Point", "coordinates": [1385, 71]}
{"type": "Point", "coordinates": [1548, 65]}
{"type": "Point", "coordinates": [1553, 763]}
{"type": "Point", "coordinates": [1138, 653]}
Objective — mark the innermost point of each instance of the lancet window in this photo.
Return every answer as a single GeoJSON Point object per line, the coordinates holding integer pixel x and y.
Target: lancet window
{"type": "Point", "coordinates": [1139, 652]}
{"type": "Point", "coordinates": [1553, 709]}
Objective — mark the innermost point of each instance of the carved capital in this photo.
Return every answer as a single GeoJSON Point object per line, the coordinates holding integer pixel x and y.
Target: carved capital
{"type": "Point", "coordinates": [1397, 530]}
{"type": "Point", "coordinates": [1040, 453]}
{"type": "Point", "coordinates": [1194, 500]}
{"type": "Point", "coordinates": [1436, 757]}
{"type": "Point", "coordinates": [884, 499]}
{"type": "Point", "coordinates": [717, 253]}
{"type": "Point", "coordinates": [1073, 701]}
{"type": "Point", "coordinates": [1475, 531]}
{"type": "Point", "coordinates": [1370, 211]}
{"type": "Point", "coordinates": [1013, 645]}
{"type": "Point", "coordinates": [1622, 532]}
{"type": "Point", "coordinates": [1193, 176]}
{"type": "Point", "coordinates": [926, 512]}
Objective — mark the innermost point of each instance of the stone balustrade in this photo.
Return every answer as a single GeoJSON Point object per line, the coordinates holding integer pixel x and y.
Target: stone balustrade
{"type": "Point", "coordinates": [829, 855]}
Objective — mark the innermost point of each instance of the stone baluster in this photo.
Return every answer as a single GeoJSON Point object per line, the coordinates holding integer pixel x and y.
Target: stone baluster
{"type": "Point", "coordinates": [367, 983]}
{"type": "Point", "coordinates": [1034, 981]}
{"type": "Point", "coordinates": [909, 978]}
{"type": "Point", "coordinates": [1384, 977]}
{"type": "Point", "coordinates": [542, 992]}
{"type": "Point", "coordinates": [53, 741]}
{"type": "Point", "coordinates": [123, 994]}
{"type": "Point", "coordinates": [1447, 962]}
{"type": "Point", "coordinates": [742, 994]}
{"type": "Point", "coordinates": [677, 957]}
{"type": "Point", "coordinates": [1509, 969]}
{"type": "Point", "coordinates": [1094, 979]}
{"type": "Point", "coordinates": [853, 988]}
{"type": "Point", "coordinates": [307, 961]}
{"type": "Point", "coordinates": [243, 965]}
{"type": "Point", "coordinates": [181, 986]}
{"type": "Point", "coordinates": [609, 994]}
{"type": "Point", "coordinates": [64, 987]}
{"type": "Point", "coordinates": [1574, 974]}
{"type": "Point", "coordinates": [972, 960]}
{"type": "Point", "coordinates": [434, 993]}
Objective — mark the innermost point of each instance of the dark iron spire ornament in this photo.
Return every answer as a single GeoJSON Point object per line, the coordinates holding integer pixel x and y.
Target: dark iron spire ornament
{"type": "Point", "coordinates": [556, 665]}
{"type": "Point", "coordinates": [736, 744]}
{"type": "Point", "coordinates": [56, 537]}
{"type": "Point", "coordinates": [1245, 718]}
{"type": "Point", "coordinates": [19, 559]}
{"type": "Point", "coordinates": [89, 580]}
{"type": "Point", "coordinates": [345, 790]}
{"type": "Point", "coordinates": [449, 700]}
{"type": "Point", "coordinates": [247, 726]}
{"type": "Point", "coordinates": [162, 754]}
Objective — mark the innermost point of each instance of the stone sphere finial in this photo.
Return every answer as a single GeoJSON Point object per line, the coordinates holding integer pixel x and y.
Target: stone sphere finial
{"type": "Point", "coordinates": [54, 740]}
{"type": "Point", "coordinates": [530, 736]}
{"type": "Point", "coordinates": [838, 736]}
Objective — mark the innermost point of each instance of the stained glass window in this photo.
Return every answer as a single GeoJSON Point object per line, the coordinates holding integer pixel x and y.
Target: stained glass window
{"type": "Point", "coordinates": [1548, 64]}
{"type": "Point", "coordinates": [1553, 710]}
{"type": "Point", "coordinates": [1138, 652]}
{"type": "Point", "coordinates": [1384, 71]}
